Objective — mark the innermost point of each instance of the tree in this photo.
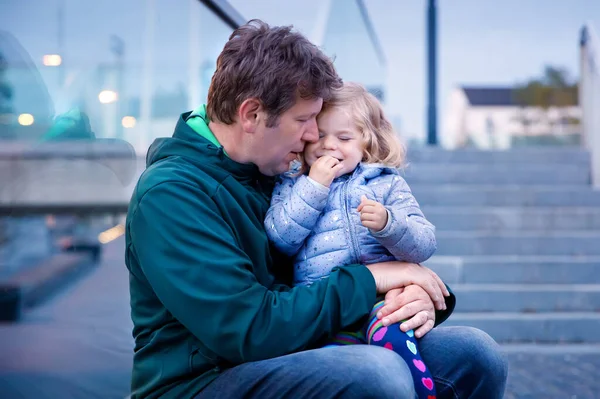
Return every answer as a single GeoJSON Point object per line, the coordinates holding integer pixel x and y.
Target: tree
{"type": "Point", "coordinates": [554, 89]}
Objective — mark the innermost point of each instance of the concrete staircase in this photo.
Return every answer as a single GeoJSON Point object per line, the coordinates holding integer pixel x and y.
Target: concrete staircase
{"type": "Point", "coordinates": [518, 239]}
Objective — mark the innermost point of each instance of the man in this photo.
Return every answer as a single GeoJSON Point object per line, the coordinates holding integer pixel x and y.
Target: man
{"type": "Point", "coordinates": [212, 315]}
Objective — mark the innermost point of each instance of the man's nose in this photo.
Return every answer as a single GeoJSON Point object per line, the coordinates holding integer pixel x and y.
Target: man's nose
{"type": "Point", "coordinates": [312, 132]}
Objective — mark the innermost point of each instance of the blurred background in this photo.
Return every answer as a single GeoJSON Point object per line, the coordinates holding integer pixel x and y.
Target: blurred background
{"type": "Point", "coordinates": [498, 102]}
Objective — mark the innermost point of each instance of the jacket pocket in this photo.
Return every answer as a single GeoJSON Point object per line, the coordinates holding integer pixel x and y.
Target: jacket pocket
{"type": "Point", "coordinates": [201, 361]}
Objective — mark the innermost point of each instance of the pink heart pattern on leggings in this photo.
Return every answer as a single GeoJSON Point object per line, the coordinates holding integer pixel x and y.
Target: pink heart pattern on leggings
{"type": "Point", "coordinates": [378, 336]}
{"type": "Point", "coordinates": [420, 365]}
{"type": "Point", "coordinates": [428, 383]}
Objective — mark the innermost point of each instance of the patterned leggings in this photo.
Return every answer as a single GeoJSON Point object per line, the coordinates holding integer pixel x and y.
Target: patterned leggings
{"type": "Point", "coordinates": [392, 338]}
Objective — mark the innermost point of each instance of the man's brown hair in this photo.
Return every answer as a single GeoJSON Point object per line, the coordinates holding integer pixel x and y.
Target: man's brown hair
{"type": "Point", "coordinates": [276, 65]}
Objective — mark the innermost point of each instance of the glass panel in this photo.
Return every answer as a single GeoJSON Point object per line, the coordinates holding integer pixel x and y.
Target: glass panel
{"type": "Point", "coordinates": [347, 39]}
{"type": "Point", "coordinates": [82, 78]}
{"type": "Point", "coordinates": [115, 73]}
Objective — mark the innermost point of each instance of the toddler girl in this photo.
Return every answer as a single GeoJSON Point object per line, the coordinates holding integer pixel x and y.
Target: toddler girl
{"type": "Point", "coordinates": [347, 204]}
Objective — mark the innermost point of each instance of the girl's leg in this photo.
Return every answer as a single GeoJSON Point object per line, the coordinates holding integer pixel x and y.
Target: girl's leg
{"type": "Point", "coordinates": [347, 338]}
{"type": "Point", "coordinates": [404, 344]}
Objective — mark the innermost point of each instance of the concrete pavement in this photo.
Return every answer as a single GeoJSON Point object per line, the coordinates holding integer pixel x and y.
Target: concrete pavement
{"type": "Point", "coordinates": [79, 345]}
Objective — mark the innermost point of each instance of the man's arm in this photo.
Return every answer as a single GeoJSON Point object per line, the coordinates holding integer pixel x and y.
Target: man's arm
{"type": "Point", "coordinates": [190, 258]}
{"type": "Point", "coordinates": [295, 208]}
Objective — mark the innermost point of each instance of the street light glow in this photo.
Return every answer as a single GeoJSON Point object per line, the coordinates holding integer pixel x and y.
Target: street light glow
{"type": "Point", "coordinates": [52, 60]}
{"type": "Point", "coordinates": [108, 96]}
{"type": "Point", "coordinates": [128, 122]}
{"type": "Point", "coordinates": [26, 119]}
{"type": "Point", "coordinates": [111, 234]}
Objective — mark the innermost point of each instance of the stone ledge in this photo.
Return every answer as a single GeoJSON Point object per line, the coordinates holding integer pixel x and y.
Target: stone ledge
{"type": "Point", "coordinates": [34, 285]}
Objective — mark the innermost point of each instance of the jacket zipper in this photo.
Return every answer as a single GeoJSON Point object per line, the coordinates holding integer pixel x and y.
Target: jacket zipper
{"type": "Point", "coordinates": [349, 222]}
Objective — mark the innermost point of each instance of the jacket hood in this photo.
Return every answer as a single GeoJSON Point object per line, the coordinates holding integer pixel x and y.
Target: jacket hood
{"type": "Point", "coordinates": [187, 143]}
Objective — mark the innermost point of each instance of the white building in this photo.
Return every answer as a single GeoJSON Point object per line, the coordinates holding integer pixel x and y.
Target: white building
{"type": "Point", "coordinates": [490, 118]}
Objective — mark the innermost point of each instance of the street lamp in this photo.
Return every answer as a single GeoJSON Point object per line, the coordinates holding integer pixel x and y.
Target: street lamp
{"type": "Point", "coordinates": [432, 138]}
{"type": "Point", "coordinates": [52, 60]}
{"type": "Point", "coordinates": [108, 96]}
{"type": "Point", "coordinates": [25, 119]}
{"type": "Point", "coordinates": [128, 122]}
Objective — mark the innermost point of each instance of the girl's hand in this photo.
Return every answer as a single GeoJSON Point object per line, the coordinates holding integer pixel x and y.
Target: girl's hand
{"type": "Point", "coordinates": [325, 169]}
{"type": "Point", "coordinates": [373, 215]}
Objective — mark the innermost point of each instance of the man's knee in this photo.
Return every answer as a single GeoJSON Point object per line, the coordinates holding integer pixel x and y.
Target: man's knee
{"type": "Point", "coordinates": [465, 361]}
{"type": "Point", "coordinates": [488, 360]}
{"type": "Point", "coordinates": [374, 372]}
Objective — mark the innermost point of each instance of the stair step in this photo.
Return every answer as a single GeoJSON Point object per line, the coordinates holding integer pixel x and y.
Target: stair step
{"type": "Point", "coordinates": [552, 349]}
{"type": "Point", "coordinates": [457, 243]}
{"type": "Point", "coordinates": [507, 327]}
{"type": "Point", "coordinates": [518, 241]}
{"type": "Point", "coordinates": [510, 269]}
{"type": "Point", "coordinates": [526, 156]}
{"type": "Point", "coordinates": [509, 195]}
{"type": "Point", "coordinates": [498, 174]}
{"type": "Point", "coordinates": [527, 298]}
{"type": "Point", "coordinates": [513, 218]}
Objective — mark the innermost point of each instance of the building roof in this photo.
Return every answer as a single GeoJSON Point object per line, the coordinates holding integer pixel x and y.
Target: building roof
{"type": "Point", "coordinates": [490, 96]}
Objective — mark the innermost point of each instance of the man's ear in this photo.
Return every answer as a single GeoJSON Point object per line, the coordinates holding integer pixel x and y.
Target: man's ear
{"type": "Point", "coordinates": [250, 114]}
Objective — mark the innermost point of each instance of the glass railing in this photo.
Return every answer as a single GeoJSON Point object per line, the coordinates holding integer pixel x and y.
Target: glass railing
{"type": "Point", "coordinates": [85, 87]}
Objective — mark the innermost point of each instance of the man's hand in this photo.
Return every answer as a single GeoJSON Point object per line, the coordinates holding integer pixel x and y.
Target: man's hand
{"type": "Point", "coordinates": [412, 304]}
{"type": "Point", "coordinates": [394, 274]}
{"type": "Point", "coordinates": [325, 169]}
{"type": "Point", "coordinates": [373, 215]}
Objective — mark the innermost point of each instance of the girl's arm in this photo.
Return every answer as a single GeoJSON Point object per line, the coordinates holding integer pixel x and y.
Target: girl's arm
{"type": "Point", "coordinates": [296, 205]}
{"type": "Point", "coordinates": [407, 235]}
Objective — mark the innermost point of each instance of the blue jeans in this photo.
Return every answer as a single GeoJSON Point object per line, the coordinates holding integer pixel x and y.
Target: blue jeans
{"type": "Point", "coordinates": [465, 363]}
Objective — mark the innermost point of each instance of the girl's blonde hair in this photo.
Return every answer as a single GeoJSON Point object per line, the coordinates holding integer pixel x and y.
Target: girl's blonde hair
{"type": "Point", "coordinates": [382, 145]}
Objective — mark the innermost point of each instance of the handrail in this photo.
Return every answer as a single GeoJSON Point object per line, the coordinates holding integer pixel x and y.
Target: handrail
{"type": "Point", "coordinates": [589, 97]}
